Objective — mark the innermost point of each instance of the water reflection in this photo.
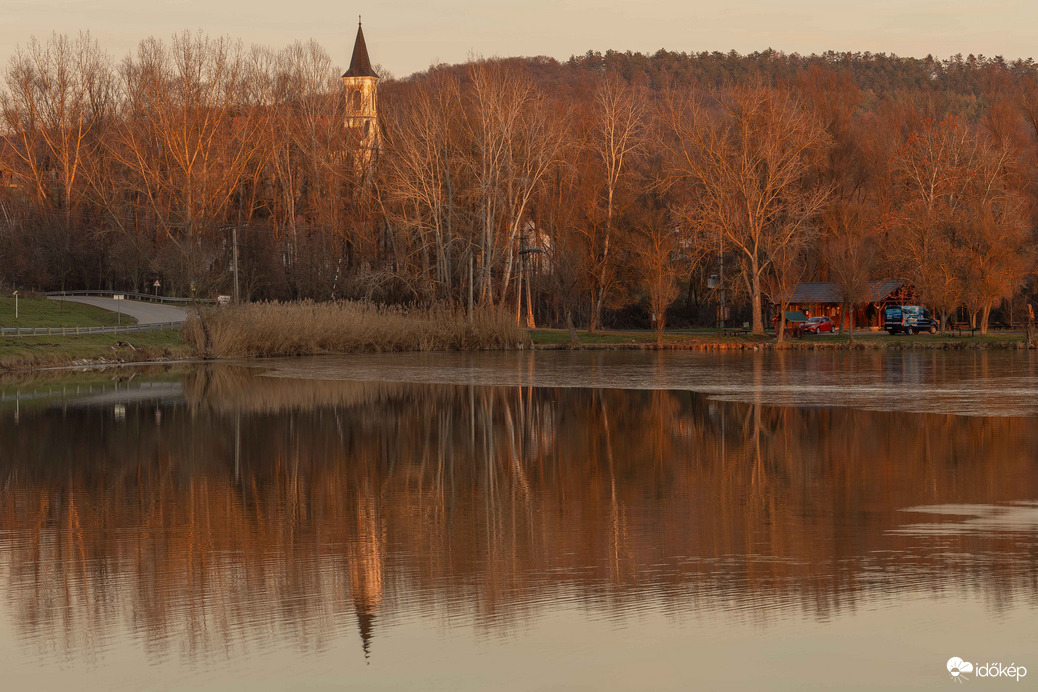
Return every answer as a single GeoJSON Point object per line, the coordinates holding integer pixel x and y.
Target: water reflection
{"type": "Point", "coordinates": [217, 512]}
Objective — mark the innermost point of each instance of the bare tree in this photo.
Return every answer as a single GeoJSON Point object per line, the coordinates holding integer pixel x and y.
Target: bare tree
{"type": "Point", "coordinates": [423, 178]}
{"type": "Point", "coordinates": [965, 234]}
{"type": "Point", "coordinates": [58, 98]}
{"type": "Point", "coordinates": [851, 249]}
{"type": "Point", "coordinates": [657, 255]}
{"type": "Point", "coordinates": [516, 141]}
{"type": "Point", "coordinates": [617, 131]}
{"type": "Point", "coordinates": [751, 155]}
{"type": "Point", "coordinates": [186, 148]}
{"type": "Point", "coordinates": [787, 267]}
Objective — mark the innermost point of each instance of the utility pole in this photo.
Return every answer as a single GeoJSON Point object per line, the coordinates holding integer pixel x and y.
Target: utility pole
{"type": "Point", "coordinates": [234, 267]}
{"type": "Point", "coordinates": [524, 272]}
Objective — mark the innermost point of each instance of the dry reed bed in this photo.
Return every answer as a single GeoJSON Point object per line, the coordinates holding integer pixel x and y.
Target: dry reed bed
{"type": "Point", "coordinates": [310, 328]}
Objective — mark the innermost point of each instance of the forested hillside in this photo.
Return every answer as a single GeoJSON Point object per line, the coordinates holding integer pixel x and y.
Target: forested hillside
{"type": "Point", "coordinates": [604, 190]}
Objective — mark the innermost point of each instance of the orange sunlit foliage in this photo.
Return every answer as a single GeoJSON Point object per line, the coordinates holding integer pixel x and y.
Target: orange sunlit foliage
{"type": "Point", "coordinates": [522, 183]}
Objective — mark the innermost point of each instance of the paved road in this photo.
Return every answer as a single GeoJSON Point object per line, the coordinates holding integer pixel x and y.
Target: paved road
{"type": "Point", "coordinates": [144, 313]}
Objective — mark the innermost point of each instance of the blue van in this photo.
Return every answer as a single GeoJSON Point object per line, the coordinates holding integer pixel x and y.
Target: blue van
{"type": "Point", "coordinates": [910, 319]}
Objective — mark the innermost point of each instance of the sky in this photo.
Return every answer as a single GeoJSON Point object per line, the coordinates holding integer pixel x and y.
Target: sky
{"type": "Point", "coordinates": [405, 36]}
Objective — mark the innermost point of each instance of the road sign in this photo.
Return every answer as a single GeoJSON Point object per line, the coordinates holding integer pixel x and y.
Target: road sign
{"type": "Point", "coordinates": [118, 296]}
{"type": "Point", "coordinates": [156, 284]}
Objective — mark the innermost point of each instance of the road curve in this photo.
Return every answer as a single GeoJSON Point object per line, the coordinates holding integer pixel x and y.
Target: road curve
{"type": "Point", "coordinates": [144, 313]}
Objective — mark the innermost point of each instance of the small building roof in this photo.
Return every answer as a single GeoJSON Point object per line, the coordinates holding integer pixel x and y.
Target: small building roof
{"type": "Point", "coordinates": [360, 65]}
{"type": "Point", "coordinates": [816, 292]}
{"type": "Point", "coordinates": [795, 316]}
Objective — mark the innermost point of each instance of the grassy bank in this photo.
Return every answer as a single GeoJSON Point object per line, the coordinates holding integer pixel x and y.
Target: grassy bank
{"type": "Point", "coordinates": [264, 330]}
{"type": "Point", "coordinates": [308, 328]}
{"type": "Point", "coordinates": [711, 339]}
{"type": "Point", "coordinates": [40, 312]}
{"type": "Point", "coordinates": [25, 353]}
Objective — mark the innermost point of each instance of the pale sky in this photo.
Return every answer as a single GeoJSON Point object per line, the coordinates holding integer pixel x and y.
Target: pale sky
{"type": "Point", "coordinates": [409, 35]}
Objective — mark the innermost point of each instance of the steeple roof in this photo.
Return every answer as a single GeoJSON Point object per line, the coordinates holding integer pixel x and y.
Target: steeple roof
{"type": "Point", "coordinates": [360, 65]}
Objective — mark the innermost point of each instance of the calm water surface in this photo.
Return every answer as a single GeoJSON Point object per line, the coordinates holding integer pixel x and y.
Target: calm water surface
{"type": "Point", "coordinates": [522, 521]}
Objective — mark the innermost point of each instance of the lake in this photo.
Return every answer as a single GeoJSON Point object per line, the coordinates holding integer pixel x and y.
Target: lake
{"type": "Point", "coordinates": [548, 520]}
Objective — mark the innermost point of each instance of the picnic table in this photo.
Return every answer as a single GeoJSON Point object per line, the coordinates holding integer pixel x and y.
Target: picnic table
{"type": "Point", "coordinates": [735, 331]}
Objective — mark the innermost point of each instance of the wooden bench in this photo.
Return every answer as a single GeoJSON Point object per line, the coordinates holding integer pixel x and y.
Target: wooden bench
{"type": "Point", "coordinates": [960, 328]}
{"type": "Point", "coordinates": [737, 331]}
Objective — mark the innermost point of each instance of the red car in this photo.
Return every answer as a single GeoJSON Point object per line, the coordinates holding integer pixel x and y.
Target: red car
{"type": "Point", "coordinates": [819, 325]}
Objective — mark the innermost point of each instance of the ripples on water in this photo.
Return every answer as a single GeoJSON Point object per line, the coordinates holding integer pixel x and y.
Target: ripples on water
{"type": "Point", "coordinates": [230, 527]}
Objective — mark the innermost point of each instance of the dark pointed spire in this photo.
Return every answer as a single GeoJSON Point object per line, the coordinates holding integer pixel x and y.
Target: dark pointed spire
{"type": "Point", "coordinates": [360, 65]}
{"type": "Point", "coordinates": [366, 622]}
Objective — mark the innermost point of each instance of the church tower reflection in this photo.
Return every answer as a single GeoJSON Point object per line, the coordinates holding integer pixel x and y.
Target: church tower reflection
{"type": "Point", "coordinates": [366, 554]}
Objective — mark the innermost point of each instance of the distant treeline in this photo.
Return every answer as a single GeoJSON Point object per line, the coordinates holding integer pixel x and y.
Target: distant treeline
{"type": "Point", "coordinates": [606, 189]}
{"type": "Point", "coordinates": [877, 75]}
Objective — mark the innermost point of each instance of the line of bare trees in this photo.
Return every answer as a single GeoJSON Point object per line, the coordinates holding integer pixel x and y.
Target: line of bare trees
{"type": "Point", "coordinates": [577, 198]}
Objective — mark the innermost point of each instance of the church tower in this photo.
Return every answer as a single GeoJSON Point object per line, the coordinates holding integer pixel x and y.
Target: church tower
{"type": "Point", "coordinates": [361, 84]}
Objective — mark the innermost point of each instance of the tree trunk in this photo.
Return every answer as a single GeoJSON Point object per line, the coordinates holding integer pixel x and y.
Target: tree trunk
{"type": "Point", "coordinates": [984, 315]}
{"type": "Point", "coordinates": [573, 340]}
{"type": "Point", "coordinates": [690, 294]}
{"type": "Point", "coordinates": [758, 320]}
{"type": "Point", "coordinates": [529, 301]}
{"type": "Point", "coordinates": [596, 307]}
{"type": "Point", "coordinates": [1029, 329]}
{"type": "Point", "coordinates": [592, 323]}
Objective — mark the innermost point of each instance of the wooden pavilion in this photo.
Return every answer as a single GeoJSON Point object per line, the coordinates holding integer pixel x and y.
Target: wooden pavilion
{"type": "Point", "coordinates": [823, 298]}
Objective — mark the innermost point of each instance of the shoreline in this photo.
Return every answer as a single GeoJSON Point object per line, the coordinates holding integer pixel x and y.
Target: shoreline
{"type": "Point", "coordinates": [711, 340]}
{"type": "Point", "coordinates": [163, 348]}
{"type": "Point", "coordinates": [961, 345]}
{"type": "Point", "coordinates": [28, 354]}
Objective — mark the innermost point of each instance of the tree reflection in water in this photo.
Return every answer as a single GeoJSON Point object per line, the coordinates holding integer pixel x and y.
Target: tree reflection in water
{"type": "Point", "coordinates": [255, 510]}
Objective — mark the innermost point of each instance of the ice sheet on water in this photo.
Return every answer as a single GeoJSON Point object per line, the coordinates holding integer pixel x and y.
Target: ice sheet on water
{"type": "Point", "coordinates": [972, 383]}
{"type": "Point", "coordinates": [1013, 517]}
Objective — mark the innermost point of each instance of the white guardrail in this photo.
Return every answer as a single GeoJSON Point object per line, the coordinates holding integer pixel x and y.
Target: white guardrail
{"type": "Point", "coordinates": [73, 331]}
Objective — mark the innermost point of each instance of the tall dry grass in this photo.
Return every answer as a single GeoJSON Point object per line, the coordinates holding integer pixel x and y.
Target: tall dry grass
{"type": "Point", "coordinates": [309, 328]}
